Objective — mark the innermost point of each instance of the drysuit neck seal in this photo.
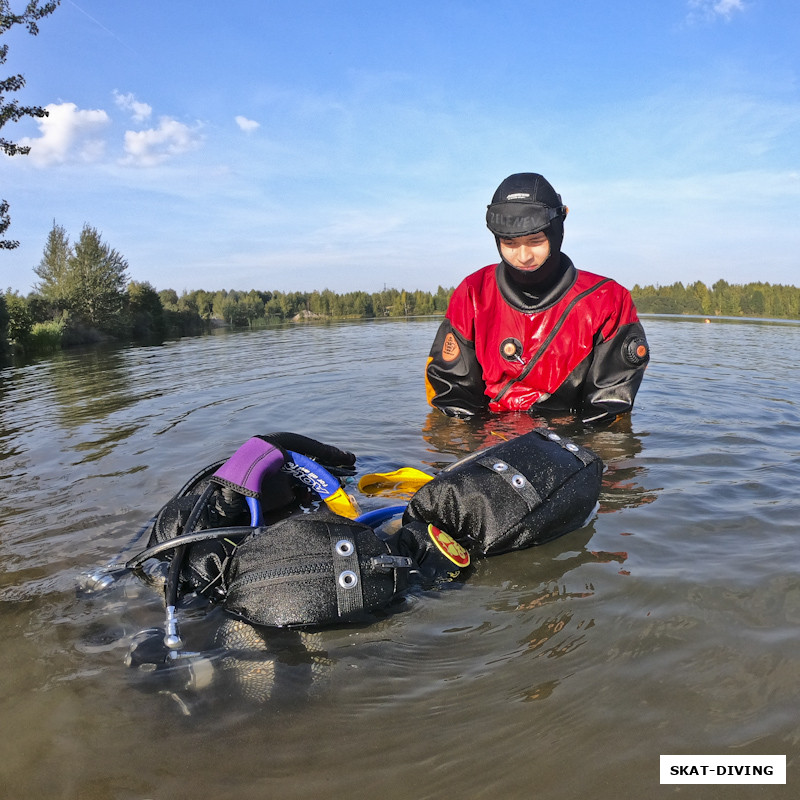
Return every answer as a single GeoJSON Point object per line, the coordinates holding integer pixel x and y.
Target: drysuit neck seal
{"type": "Point", "coordinates": [531, 296]}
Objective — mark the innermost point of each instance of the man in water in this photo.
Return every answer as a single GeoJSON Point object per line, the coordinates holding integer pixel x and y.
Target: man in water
{"type": "Point", "coordinates": [533, 332]}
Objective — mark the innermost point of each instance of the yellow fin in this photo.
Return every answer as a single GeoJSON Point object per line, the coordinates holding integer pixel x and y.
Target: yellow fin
{"type": "Point", "coordinates": [343, 504]}
{"type": "Point", "coordinates": [402, 482]}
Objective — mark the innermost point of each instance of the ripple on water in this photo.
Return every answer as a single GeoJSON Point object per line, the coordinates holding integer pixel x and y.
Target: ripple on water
{"type": "Point", "coordinates": [667, 624]}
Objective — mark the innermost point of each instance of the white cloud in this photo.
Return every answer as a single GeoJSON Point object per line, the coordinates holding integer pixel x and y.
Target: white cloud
{"type": "Point", "coordinates": [247, 125]}
{"type": "Point", "coordinates": [709, 10]}
{"type": "Point", "coordinates": [68, 133]}
{"type": "Point", "coordinates": [128, 102]}
{"type": "Point", "coordinates": [151, 147]}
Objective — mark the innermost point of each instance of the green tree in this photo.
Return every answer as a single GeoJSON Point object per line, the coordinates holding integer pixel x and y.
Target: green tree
{"type": "Point", "coordinates": [169, 299]}
{"type": "Point", "coordinates": [230, 310]}
{"type": "Point", "coordinates": [41, 310]}
{"type": "Point", "coordinates": [423, 303]}
{"type": "Point", "coordinates": [147, 313]}
{"type": "Point", "coordinates": [360, 304]}
{"type": "Point", "coordinates": [332, 303]}
{"type": "Point", "coordinates": [441, 299]}
{"type": "Point", "coordinates": [97, 279]}
{"type": "Point", "coordinates": [5, 221]}
{"type": "Point", "coordinates": [726, 298]}
{"type": "Point", "coordinates": [87, 280]}
{"type": "Point", "coordinates": [752, 301]}
{"type": "Point", "coordinates": [53, 269]}
{"type": "Point", "coordinates": [703, 296]}
{"type": "Point", "coordinates": [12, 111]}
{"type": "Point", "coordinates": [251, 307]}
{"type": "Point", "coordinates": [287, 304]}
{"type": "Point", "coordinates": [400, 306]}
{"type": "Point", "coordinates": [3, 326]}
{"type": "Point", "coordinates": [273, 306]}
{"type": "Point", "coordinates": [19, 318]}
{"type": "Point", "coordinates": [204, 302]}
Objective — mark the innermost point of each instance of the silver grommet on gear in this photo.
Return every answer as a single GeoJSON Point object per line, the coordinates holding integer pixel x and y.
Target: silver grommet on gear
{"type": "Point", "coordinates": [518, 481]}
{"type": "Point", "coordinates": [554, 437]}
{"type": "Point", "coordinates": [348, 579]}
{"type": "Point", "coordinates": [500, 467]}
{"type": "Point", "coordinates": [344, 548]}
{"type": "Point", "coordinates": [573, 448]}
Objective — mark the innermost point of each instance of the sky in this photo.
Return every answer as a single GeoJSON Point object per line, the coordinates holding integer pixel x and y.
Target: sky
{"type": "Point", "coordinates": [295, 145]}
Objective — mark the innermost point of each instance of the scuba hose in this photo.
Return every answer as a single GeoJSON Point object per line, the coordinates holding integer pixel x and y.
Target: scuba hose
{"type": "Point", "coordinates": [380, 515]}
{"type": "Point", "coordinates": [217, 494]}
{"type": "Point", "coordinates": [184, 539]}
{"type": "Point", "coordinates": [300, 466]}
{"type": "Point", "coordinates": [100, 579]}
{"type": "Point", "coordinates": [407, 479]}
{"type": "Point", "coordinates": [172, 638]}
{"type": "Point", "coordinates": [240, 477]}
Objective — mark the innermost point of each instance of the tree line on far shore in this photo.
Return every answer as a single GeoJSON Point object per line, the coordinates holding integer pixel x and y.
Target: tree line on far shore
{"type": "Point", "coordinates": [84, 295]}
{"type": "Point", "coordinates": [722, 299]}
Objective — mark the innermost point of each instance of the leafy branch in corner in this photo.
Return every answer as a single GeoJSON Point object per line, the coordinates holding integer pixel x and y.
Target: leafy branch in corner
{"type": "Point", "coordinates": [12, 111]}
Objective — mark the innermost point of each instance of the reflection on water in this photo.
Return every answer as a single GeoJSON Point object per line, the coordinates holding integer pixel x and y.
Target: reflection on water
{"type": "Point", "coordinates": [668, 624]}
{"type": "Point", "coordinates": [617, 445]}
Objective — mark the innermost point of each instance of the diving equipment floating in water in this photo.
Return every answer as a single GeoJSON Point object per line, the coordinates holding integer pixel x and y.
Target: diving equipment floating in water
{"type": "Point", "coordinates": [271, 536]}
{"type": "Point", "coordinates": [515, 494]}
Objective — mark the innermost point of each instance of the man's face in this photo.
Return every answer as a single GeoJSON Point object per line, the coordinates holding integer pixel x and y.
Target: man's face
{"type": "Point", "coordinates": [526, 252]}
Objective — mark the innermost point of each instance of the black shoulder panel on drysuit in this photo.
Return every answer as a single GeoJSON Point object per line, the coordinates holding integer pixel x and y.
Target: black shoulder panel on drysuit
{"type": "Point", "coordinates": [605, 383]}
{"type": "Point", "coordinates": [453, 376]}
{"type": "Point", "coordinates": [615, 374]}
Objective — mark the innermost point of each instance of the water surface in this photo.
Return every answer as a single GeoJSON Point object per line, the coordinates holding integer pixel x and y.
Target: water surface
{"type": "Point", "coordinates": [667, 625]}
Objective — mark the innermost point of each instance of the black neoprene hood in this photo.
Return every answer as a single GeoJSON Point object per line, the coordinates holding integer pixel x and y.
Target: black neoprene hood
{"type": "Point", "coordinates": [523, 204]}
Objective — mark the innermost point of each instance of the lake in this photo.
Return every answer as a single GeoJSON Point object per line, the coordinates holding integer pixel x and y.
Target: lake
{"type": "Point", "coordinates": [667, 625]}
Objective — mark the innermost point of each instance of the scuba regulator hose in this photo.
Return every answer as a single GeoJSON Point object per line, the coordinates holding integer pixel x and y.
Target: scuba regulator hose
{"type": "Point", "coordinates": [172, 638]}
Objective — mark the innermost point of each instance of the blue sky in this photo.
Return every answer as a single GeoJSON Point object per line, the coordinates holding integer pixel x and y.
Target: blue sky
{"type": "Point", "coordinates": [299, 145]}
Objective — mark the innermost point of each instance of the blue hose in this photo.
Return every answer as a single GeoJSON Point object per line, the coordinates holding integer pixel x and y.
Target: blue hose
{"type": "Point", "coordinates": [256, 517]}
{"type": "Point", "coordinates": [379, 515]}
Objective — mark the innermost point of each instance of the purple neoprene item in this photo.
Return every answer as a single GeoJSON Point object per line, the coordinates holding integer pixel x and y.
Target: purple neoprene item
{"type": "Point", "coordinates": [249, 465]}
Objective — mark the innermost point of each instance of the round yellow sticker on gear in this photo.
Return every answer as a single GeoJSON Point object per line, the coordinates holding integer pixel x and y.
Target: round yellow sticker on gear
{"type": "Point", "coordinates": [449, 547]}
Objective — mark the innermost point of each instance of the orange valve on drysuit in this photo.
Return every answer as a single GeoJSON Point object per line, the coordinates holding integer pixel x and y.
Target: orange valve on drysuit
{"type": "Point", "coordinates": [635, 350]}
{"type": "Point", "coordinates": [511, 349]}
